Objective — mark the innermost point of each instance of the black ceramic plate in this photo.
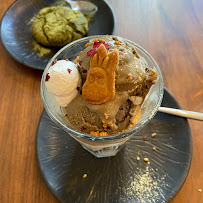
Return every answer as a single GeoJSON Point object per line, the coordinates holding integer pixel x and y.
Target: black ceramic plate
{"type": "Point", "coordinates": [62, 162]}
{"type": "Point", "coordinates": [16, 33]}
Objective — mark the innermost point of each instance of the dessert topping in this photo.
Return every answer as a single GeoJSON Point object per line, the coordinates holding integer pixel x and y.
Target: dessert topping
{"type": "Point", "coordinates": [86, 45]}
{"type": "Point", "coordinates": [82, 128]}
{"type": "Point", "coordinates": [99, 86]}
{"type": "Point", "coordinates": [130, 76]}
{"type": "Point", "coordinates": [153, 134]}
{"type": "Point", "coordinates": [106, 116]}
{"type": "Point", "coordinates": [152, 72]}
{"type": "Point", "coordinates": [117, 43]}
{"type": "Point", "coordinates": [53, 62]}
{"type": "Point", "coordinates": [47, 77]}
{"type": "Point", "coordinates": [97, 44]}
{"type": "Point", "coordinates": [103, 133]}
{"type": "Point", "coordinates": [69, 70]}
{"type": "Point", "coordinates": [91, 52]}
{"type": "Point", "coordinates": [77, 59]}
{"type": "Point", "coordinates": [101, 40]}
{"type": "Point", "coordinates": [97, 133]}
{"type": "Point", "coordinates": [135, 53]}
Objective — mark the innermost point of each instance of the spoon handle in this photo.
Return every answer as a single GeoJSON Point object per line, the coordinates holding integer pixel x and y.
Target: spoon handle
{"type": "Point", "coordinates": [182, 113]}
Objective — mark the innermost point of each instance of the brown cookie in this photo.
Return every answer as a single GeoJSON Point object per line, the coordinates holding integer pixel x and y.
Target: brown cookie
{"type": "Point", "coordinates": [99, 86]}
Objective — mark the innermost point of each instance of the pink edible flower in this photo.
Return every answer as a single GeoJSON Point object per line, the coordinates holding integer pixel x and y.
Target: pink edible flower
{"type": "Point", "coordinates": [91, 52]}
{"type": "Point", "coordinates": [97, 44]}
{"type": "Point", "coordinates": [107, 46]}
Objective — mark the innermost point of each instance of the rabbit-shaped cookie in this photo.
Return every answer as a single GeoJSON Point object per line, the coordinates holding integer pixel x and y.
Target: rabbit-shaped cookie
{"type": "Point", "coordinates": [99, 86]}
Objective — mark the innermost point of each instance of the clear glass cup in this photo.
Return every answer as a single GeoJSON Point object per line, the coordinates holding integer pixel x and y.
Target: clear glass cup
{"type": "Point", "coordinates": [102, 146]}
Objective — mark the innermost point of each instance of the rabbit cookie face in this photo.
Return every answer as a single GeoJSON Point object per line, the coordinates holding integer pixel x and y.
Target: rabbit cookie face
{"type": "Point", "coordinates": [99, 86]}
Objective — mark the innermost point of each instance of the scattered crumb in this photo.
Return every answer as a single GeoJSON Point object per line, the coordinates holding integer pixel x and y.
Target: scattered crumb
{"type": "Point", "coordinates": [153, 134]}
{"type": "Point", "coordinates": [85, 175]}
{"type": "Point", "coordinates": [111, 126]}
{"type": "Point", "coordinates": [150, 181]}
{"type": "Point", "coordinates": [117, 43]}
{"type": "Point", "coordinates": [103, 133]}
{"type": "Point", "coordinates": [41, 50]}
{"type": "Point", "coordinates": [77, 59]}
{"type": "Point", "coordinates": [130, 76]}
{"type": "Point", "coordinates": [97, 133]}
{"type": "Point", "coordinates": [102, 41]}
{"type": "Point", "coordinates": [154, 148]}
{"type": "Point", "coordinates": [152, 72]}
{"type": "Point", "coordinates": [106, 116]}
{"type": "Point", "coordinates": [153, 81]}
{"type": "Point", "coordinates": [138, 158]}
{"type": "Point", "coordinates": [146, 159]}
{"type": "Point", "coordinates": [200, 190]}
{"type": "Point", "coordinates": [105, 125]}
{"type": "Point", "coordinates": [86, 45]}
{"type": "Point", "coordinates": [54, 62]}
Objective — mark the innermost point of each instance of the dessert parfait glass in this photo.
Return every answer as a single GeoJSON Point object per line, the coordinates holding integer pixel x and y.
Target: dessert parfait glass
{"type": "Point", "coordinates": [102, 146]}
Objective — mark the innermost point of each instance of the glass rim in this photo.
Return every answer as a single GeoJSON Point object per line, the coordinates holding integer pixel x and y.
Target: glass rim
{"type": "Point", "coordinates": [86, 136]}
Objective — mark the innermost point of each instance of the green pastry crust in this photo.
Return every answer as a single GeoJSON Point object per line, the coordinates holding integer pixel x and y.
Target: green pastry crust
{"type": "Point", "coordinates": [58, 26]}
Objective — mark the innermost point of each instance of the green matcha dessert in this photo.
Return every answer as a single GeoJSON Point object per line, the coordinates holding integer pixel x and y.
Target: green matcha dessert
{"type": "Point", "coordinates": [58, 26]}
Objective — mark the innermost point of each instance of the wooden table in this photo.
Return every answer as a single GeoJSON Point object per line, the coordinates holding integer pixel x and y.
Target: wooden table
{"type": "Point", "coordinates": [172, 32]}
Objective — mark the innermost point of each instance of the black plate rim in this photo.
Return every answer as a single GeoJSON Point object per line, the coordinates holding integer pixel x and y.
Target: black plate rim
{"type": "Point", "coordinates": [30, 65]}
{"type": "Point", "coordinates": [173, 194]}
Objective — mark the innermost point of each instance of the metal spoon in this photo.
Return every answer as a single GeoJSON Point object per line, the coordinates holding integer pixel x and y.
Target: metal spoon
{"type": "Point", "coordinates": [182, 113]}
{"type": "Point", "coordinates": [84, 7]}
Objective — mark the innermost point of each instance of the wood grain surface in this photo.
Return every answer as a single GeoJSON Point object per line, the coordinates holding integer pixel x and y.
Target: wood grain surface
{"type": "Point", "coordinates": [171, 31]}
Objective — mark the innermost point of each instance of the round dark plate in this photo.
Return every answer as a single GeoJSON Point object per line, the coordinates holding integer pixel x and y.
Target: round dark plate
{"type": "Point", "coordinates": [16, 29]}
{"type": "Point", "coordinates": [62, 162]}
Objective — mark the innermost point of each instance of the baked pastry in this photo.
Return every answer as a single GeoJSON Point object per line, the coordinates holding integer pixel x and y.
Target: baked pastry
{"type": "Point", "coordinates": [58, 26]}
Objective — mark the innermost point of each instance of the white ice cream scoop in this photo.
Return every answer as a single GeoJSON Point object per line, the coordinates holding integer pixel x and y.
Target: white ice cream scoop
{"type": "Point", "coordinates": [64, 77]}
{"type": "Point", "coordinates": [63, 81]}
{"type": "Point", "coordinates": [65, 100]}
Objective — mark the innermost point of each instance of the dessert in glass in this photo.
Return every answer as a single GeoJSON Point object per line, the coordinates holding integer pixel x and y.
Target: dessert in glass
{"type": "Point", "coordinates": [101, 90]}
